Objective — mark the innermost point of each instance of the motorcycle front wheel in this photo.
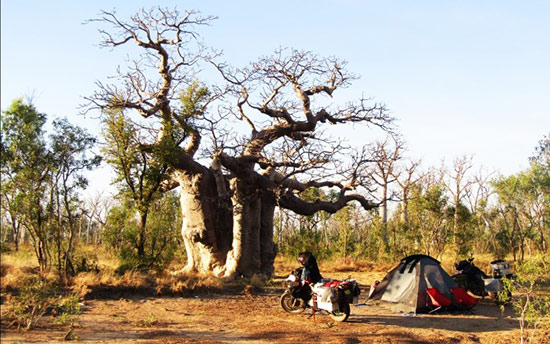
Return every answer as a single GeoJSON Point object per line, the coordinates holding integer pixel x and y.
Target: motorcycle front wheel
{"type": "Point", "coordinates": [342, 314]}
{"type": "Point", "coordinates": [292, 304]}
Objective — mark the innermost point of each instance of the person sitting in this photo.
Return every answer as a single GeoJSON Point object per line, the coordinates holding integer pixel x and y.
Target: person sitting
{"type": "Point", "coordinates": [310, 271]}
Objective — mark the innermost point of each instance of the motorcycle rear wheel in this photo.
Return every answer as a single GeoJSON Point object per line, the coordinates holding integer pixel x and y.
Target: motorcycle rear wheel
{"type": "Point", "coordinates": [292, 304]}
{"type": "Point", "coordinates": [342, 314]}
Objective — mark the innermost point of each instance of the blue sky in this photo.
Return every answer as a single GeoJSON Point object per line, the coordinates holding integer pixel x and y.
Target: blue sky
{"type": "Point", "coordinates": [462, 77]}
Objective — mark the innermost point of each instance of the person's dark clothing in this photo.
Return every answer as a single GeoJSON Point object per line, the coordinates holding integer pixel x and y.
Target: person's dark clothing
{"type": "Point", "coordinates": [311, 271]}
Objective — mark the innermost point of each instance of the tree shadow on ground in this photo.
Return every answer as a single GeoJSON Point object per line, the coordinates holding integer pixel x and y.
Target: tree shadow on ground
{"type": "Point", "coordinates": [484, 317]}
{"type": "Point", "coordinates": [342, 338]}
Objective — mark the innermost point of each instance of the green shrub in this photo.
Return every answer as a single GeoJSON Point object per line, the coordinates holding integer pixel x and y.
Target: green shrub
{"type": "Point", "coordinates": [123, 235]}
{"type": "Point", "coordinates": [4, 247]}
{"type": "Point", "coordinates": [38, 297]}
{"type": "Point", "coordinates": [33, 301]}
{"type": "Point", "coordinates": [531, 307]}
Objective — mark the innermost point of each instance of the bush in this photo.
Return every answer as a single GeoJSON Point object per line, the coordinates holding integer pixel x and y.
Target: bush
{"type": "Point", "coordinates": [123, 234]}
{"type": "Point", "coordinates": [4, 247]}
{"type": "Point", "coordinates": [24, 310]}
{"type": "Point", "coordinates": [531, 307]}
{"type": "Point", "coordinates": [37, 297]}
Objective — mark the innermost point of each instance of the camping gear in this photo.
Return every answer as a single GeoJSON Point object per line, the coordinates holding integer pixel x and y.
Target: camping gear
{"type": "Point", "coordinates": [463, 298]}
{"type": "Point", "coordinates": [437, 299]}
{"type": "Point", "coordinates": [470, 277]}
{"type": "Point", "coordinates": [501, 268]}
{"type": "Point", "coordinates": [406, 287]}
{"type": "Point", "coordinates": [473, 279]}
{"type": "Point", "coordinates": [331, 296]}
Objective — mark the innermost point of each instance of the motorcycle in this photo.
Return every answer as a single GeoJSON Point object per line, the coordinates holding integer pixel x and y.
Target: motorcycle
{"type": "Point", "coordinates": [330, 296]}
{"type": "Point", "coordinates": [471, 278]}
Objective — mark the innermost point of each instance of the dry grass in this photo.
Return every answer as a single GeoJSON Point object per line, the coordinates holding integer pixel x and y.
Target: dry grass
{"type": "Point", "coordinates": [286, 264]}
{"type": "Point", "coordinates": [98, 255]}
{"type": "Point", "coordinates": [86, 282]}
{"type": "Point", "coordinates": [16, 278]}
{"type": "Point", "coordinates": [354, 265]}
{"type": "Point", "coordinates": [187, 283]}
{"type": "Point", "coordinates": [91, 284]}
{"type": "Point", "coordinates": [19, 268]}
{"type": "Point", "coordinates": [24, 258]}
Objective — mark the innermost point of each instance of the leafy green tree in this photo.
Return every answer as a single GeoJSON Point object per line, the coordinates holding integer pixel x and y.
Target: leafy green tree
{"type": "Point", "coordinates": [139, 178]}
{"type": "Point", "coordinates": [70, 146]}
{"type": "Point", "coordinates": [344, 240]}
{"type": "Point", "coordinates": [540, 172]}
{"type": "Point", "coordinates": [40, 184]}
{"type": "Point", "coordinates": [459, 184]}
{"type": "Point", "coordinates": [542, 153]}
{"type": "Point", "coordinates": [466, 235]}
{"type": "Point", "coordinates": [524, 205]}
{"type": "Point", "coordinates": [430, 219]}
{"type": "Point", "coordinates": [531, 305]}
{"type": "Point", "coordinates": [137, 229]}
{"type": "Point", "coordinates": [517, 195]}
{"type": "Point", "coordinates": [123, 233]}
{"type": "Point", "coordinates": [25, 171]}
{"type": "Point", "coordinates": [369, 241]}
{"type": "Point", "coordinates": [386, 154]}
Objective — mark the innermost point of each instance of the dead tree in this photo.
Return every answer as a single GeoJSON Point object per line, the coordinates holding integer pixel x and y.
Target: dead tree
{"type": "Point", "coordinates": [459, 186]}
{"type": "Point", "coordinates": [385, 155]}
{"type": "Point", "coordinates": [405, 183]}
{"type": "Point", "coordinates": [245, 151]}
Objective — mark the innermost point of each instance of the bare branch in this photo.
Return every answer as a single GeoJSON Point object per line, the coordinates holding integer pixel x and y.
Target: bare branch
{"type": "Point", "coordinates": [291, 201]}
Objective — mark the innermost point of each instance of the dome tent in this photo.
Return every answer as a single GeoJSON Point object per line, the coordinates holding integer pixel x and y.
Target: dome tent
{"type": "Point", "coordinates": [406, 286]}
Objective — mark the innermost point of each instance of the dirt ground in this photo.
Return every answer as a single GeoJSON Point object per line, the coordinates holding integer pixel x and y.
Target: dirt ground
{"type": "Point", "coordinates": [258, 318]}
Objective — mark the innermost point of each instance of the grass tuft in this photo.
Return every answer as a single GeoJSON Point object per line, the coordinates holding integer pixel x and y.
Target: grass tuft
{"type": "Point", "coordinates": [187, 283]}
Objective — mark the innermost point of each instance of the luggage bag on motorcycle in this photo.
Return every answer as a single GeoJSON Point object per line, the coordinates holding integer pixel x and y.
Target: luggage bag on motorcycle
{"type": "Point", "coordinates": [501, 268]}
{"type": "Point", "coordinates": [326, 297]}
{"type": "Point", "coordinates": [350, 290]}
{"type": "Point", "coordinates": [347, 290]}
{"type": "Point", "coordinates": [493, 285]}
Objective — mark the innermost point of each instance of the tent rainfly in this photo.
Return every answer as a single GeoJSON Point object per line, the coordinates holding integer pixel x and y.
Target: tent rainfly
{"type": "Point", "coordinates": [405, 286]}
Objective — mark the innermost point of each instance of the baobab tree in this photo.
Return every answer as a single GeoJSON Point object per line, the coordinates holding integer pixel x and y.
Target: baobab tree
{"type": "Point", "coordinates": [241, 149]}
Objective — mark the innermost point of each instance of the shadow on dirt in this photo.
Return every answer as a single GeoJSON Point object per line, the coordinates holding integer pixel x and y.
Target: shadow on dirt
{"type": "Point", "coordinates": [110, 292]}
{"type": "Point", "coordinates": [484, 317]}
{"type": "Point", "coordinates": [287, 337]}
{"type": "Point", "coordinates": [343, 338]}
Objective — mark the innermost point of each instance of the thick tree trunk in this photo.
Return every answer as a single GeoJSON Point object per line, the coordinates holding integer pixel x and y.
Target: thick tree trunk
{"type": "Point", "coordinates": [227, 237]}
{"type": "Point", "coordinates": [244, 258]}
{"type": "Point", "coordinates": [206, 224]}
{"type": "Point", "coordinates": [268, 248]}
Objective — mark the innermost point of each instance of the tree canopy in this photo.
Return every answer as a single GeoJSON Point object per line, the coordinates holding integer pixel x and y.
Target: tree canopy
{"type": "Point", "coordinates": [244, 146]}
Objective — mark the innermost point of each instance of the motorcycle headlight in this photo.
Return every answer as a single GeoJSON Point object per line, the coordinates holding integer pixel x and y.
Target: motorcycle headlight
{"type": "Point", "coordinates": [292, 281]}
